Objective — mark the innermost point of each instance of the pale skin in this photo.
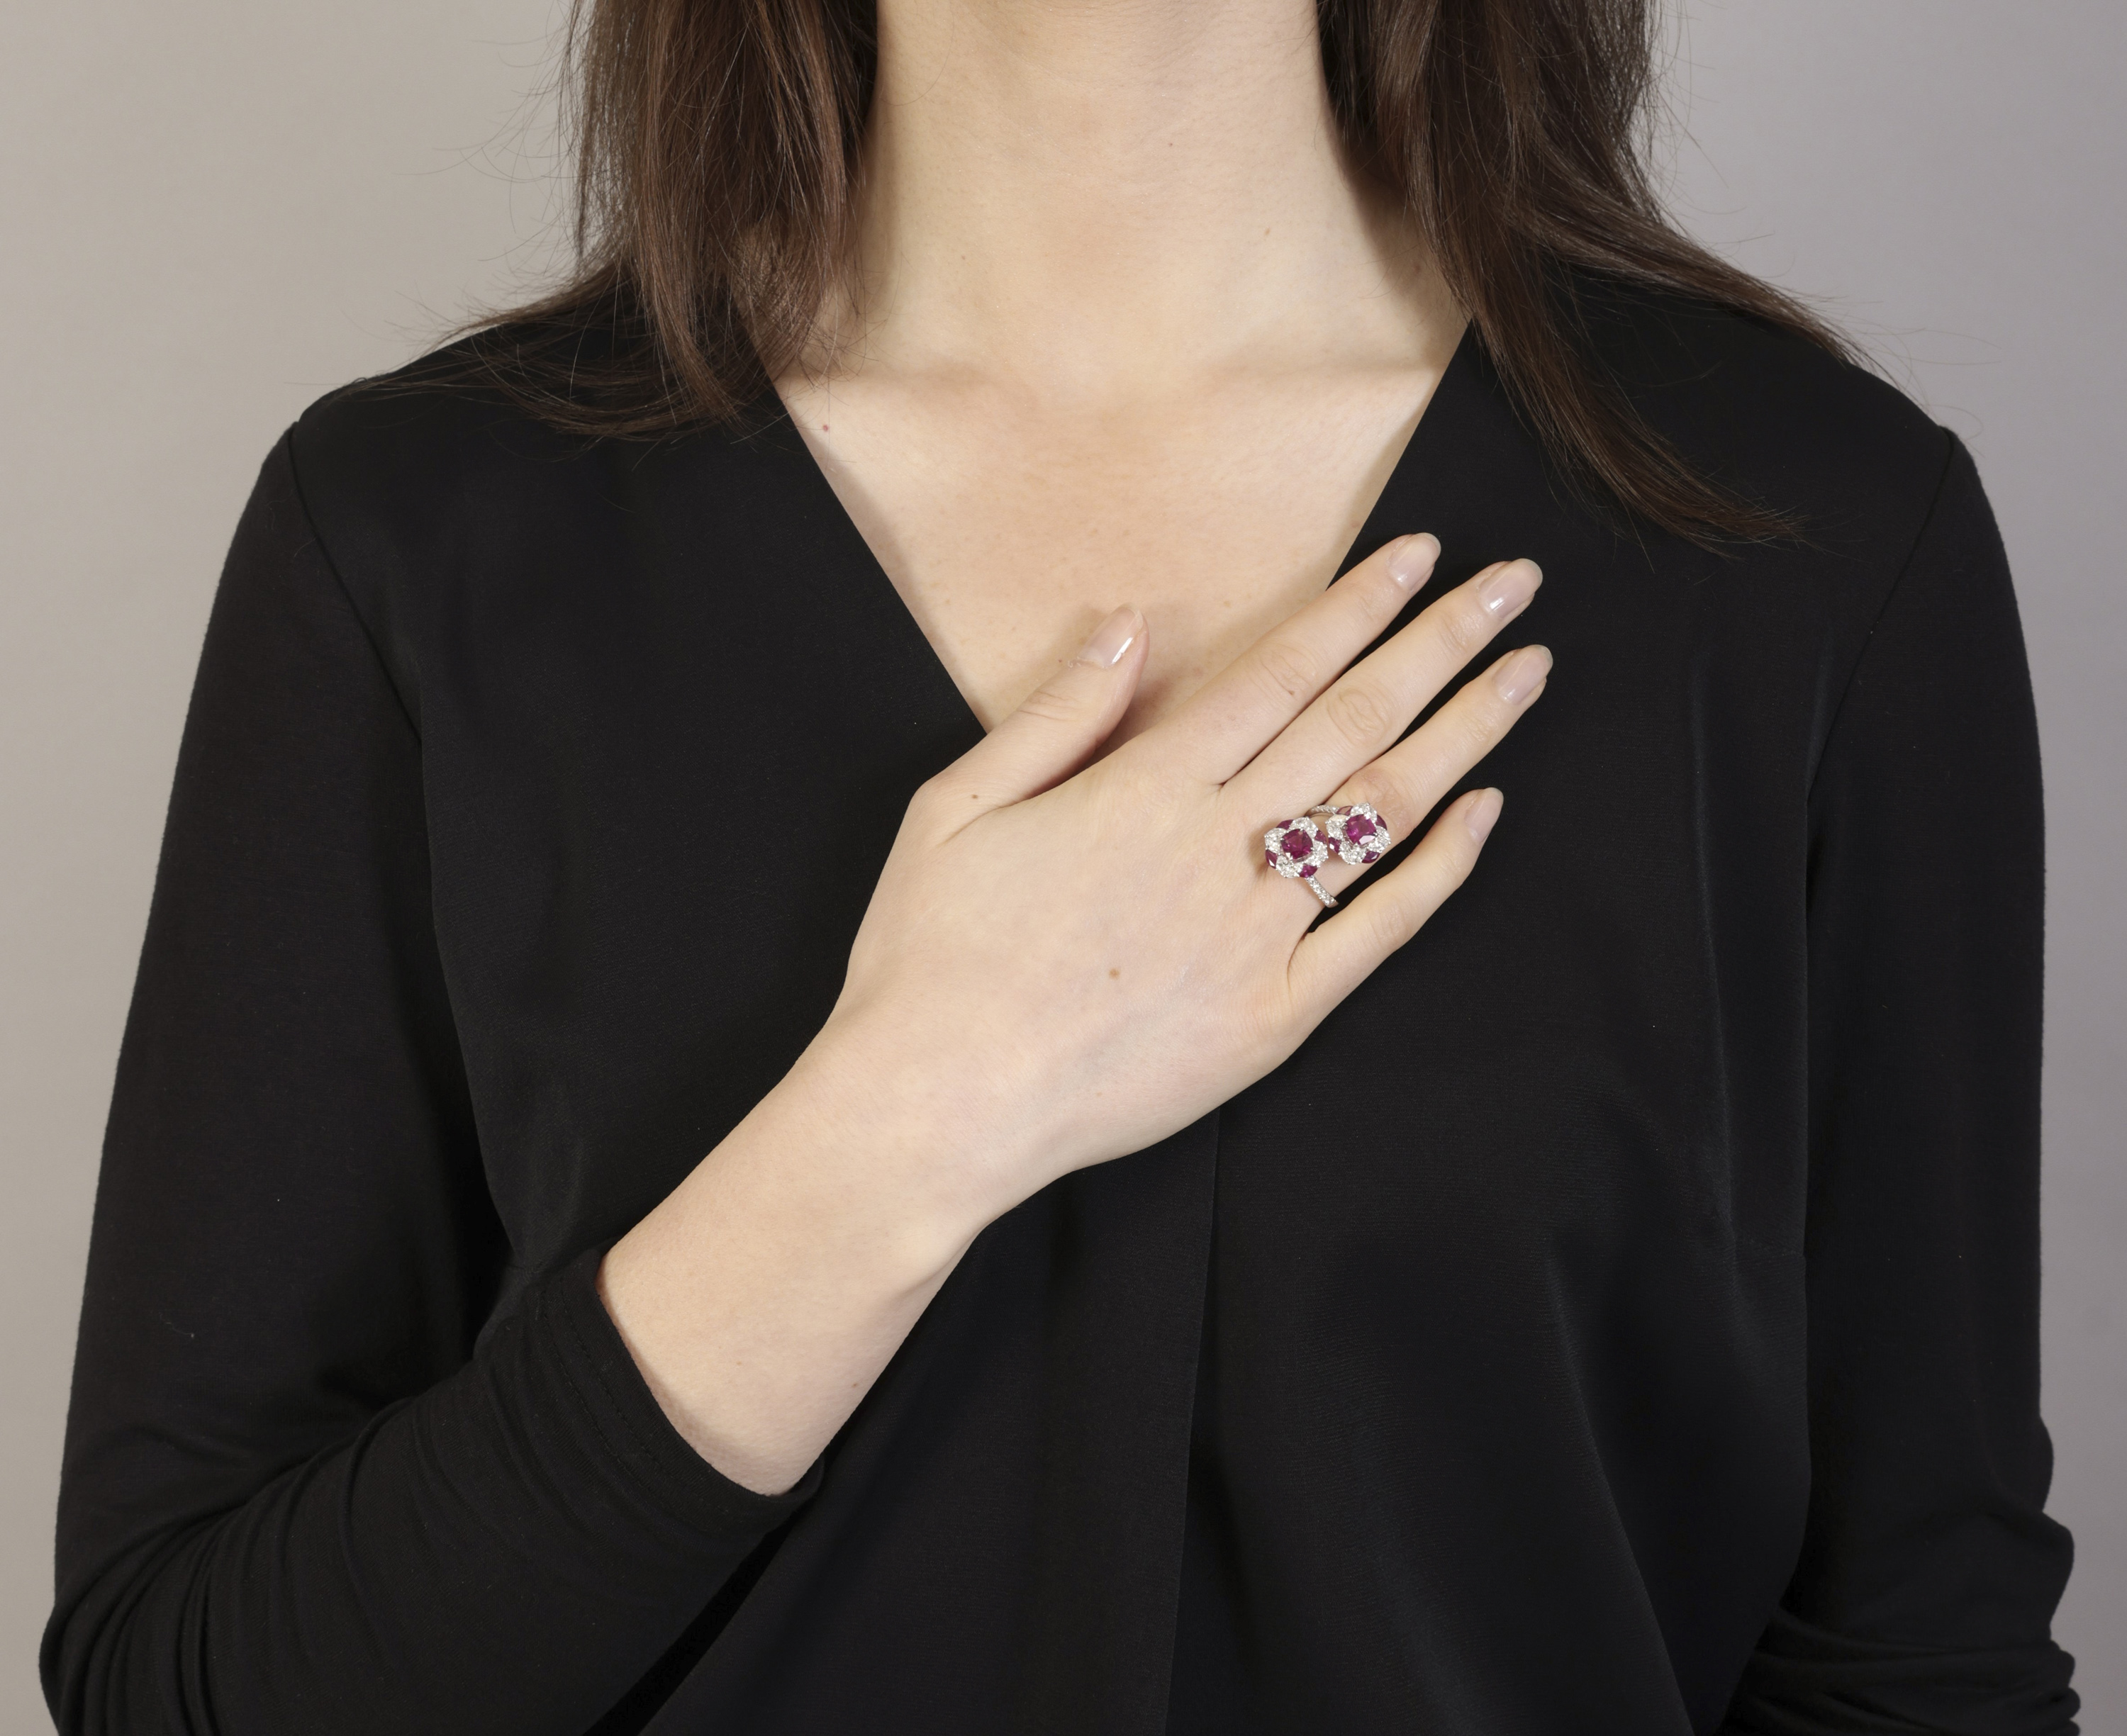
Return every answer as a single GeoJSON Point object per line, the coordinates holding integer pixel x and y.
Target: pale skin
{"type": "Point", "coordinates": [1126, 325]}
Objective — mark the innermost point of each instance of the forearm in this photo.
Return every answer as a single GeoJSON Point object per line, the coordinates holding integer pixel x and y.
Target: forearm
{"type": "Point", "coordinates": [765, 1295]}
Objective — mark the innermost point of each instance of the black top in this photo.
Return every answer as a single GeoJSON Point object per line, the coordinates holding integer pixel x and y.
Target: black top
{"type": "Point", "coordinates": [1619, 1317]}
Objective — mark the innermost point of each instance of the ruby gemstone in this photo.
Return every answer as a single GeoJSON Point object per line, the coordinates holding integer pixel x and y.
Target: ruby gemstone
{"type": "Point", "coordinates": [1359, 827]}
{"type": "Point", "coordinates": [1296, 843]}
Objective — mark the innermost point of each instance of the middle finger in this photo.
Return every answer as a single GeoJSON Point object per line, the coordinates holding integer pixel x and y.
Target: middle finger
{"type": "Point", "coordinates": [1363, 713]}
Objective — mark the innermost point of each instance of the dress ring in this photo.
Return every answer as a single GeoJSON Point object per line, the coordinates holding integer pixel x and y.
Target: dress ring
{"type": "Point", "coordinates": [1297, 849]}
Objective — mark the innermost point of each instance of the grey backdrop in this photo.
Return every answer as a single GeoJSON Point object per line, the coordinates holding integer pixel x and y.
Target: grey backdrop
{"type": "Point", "coordinates": [211, 212]}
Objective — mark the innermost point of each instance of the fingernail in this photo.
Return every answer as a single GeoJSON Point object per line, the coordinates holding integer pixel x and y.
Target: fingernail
{"type": "Point", "coordinates": [1483, 812]}
{"type": "Point", "coordinates": [1410, 562]}
{"type": "Point", "coordinates": [1521, 672]}
{"type": "Point", "coordinates": [1506, 593]}
{"type": "Point", "coordinates": [1110, 639]}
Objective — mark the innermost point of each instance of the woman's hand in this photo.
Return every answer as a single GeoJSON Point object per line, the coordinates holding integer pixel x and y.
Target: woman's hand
{"type": "Point", "coordinates": [1059, 969]}
{"type": "Point", "coordinates": [1064, 963]}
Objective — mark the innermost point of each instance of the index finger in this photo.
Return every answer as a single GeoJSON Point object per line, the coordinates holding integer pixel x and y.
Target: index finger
{"type": "Point", "coordinates": [1224, 725]}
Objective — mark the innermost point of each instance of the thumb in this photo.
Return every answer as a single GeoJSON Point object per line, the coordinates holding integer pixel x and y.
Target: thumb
{"type": "Point", "coordinates": [1058, 725]}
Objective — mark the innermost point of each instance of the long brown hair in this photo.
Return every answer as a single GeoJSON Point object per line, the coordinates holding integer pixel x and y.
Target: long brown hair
{"type": "Point", "coordinates": [717, 147]}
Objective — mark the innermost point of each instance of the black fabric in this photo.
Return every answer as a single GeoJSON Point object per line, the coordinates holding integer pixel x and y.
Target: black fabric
{"type": "Point", "coordinates": [1620, 1316]}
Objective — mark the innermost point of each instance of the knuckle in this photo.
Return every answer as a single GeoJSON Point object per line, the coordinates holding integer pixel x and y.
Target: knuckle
{"type": "Point", "coordinates": [1388, 925]}
{"type": "Point", "coordinates": [1360, 714]}
{"type": "Point", "coordinates": [1464, 627]}
{"type": "Point", "coordinates": [1051, 703]}
{"type": "Point", "coordinates": [1451, 858]}
{"type": "Point", "coordinates": [1389, 796]}
{"type": "Point", "coordinates": [1446, 877]}
{"type": "Point", "coordinates": [1287, 669]}
{"type": "Point", "coordinates": [1478, 723]}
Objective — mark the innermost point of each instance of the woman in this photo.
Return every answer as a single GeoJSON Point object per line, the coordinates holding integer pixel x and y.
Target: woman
{"type": "Point", "coordinates": [721, 1133]}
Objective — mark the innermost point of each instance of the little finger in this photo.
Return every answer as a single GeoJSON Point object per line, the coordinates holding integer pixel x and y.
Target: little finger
{"type": "Point", "coordinates": [1337, 955]}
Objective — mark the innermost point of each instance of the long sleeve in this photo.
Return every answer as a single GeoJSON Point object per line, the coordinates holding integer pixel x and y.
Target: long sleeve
{"type": "Point", "coordinates": [1930, 1572]}
{"type": "Point", "coordinates": [304, 1490]}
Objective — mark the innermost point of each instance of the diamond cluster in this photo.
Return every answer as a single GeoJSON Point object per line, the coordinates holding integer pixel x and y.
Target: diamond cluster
{"type": "Point", "coordinates": [1295, 847]}
{"type": "Point", "coordinates": [1356, 832]}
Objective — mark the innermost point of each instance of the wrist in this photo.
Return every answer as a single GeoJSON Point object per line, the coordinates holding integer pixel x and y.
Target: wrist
{"type": "Point", "coordinates": [895, 1125]}
{"type": "Point", "coordinates": [766, 1291]}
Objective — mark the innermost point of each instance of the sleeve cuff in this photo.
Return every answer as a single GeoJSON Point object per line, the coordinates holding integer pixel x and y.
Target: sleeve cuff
{"type": "Point", "coordinates": [617, 1403]}
{"type": "Point", "coordinates": [1807, 1680]}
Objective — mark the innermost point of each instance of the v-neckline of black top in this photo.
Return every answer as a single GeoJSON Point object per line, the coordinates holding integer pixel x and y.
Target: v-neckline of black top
{"type": "Point", "coordinates": [1390, 514]}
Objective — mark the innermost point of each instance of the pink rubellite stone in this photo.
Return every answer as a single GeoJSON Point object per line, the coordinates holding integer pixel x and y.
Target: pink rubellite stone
{"type": "Point", "coordinates": [1297, 844]}
{"type": "Point", "coordinates": [1357, 826]}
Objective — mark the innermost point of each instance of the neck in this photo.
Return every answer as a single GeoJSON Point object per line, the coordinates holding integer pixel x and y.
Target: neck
{"type": "Point", "coordinates": [1095, 198]}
